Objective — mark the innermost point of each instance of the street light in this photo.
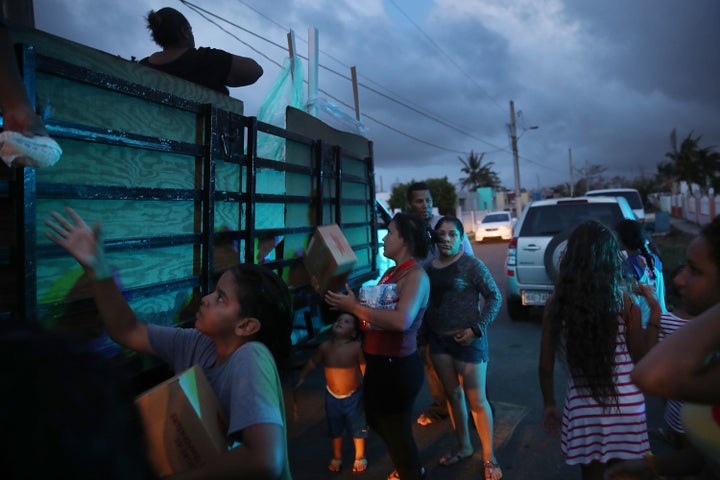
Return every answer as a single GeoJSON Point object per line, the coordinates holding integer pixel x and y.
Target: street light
{"type": "Point", "coordinates": [516, 163]}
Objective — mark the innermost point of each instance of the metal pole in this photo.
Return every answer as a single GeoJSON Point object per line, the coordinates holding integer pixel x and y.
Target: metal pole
{"type": "Point", "coordinates": [313, 69]}
{"type": "Point", "coordinates": [516, 164]}
{"type": "Point", "coordinates": [572, 181]}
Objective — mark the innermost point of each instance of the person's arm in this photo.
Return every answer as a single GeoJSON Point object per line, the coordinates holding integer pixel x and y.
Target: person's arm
{"type": "Point", "coordinates": [679, 366]}
{"type": "Point", "coordinates": [546, 367]}
{"type": "Point", "coordinates": [86, 246]}
{"type": "Point", "coordinates": [640, 340]}
{"type": "Point", "coordinates": [243, 71]}
{"type": "Point", "coordinates": [492, 298]}
{"type": "Point", "coordinates": [361, 359]}
{"type": "Point", "coordinates": [311, 364]}
{"type": "Point", "coordinates": [260, 456]}
{"type": "Point", "coordinates": [412, 289]}
{"type": "Point", "coordinates": [482, 282]}
{"type": "Point", "coordinates": [18, 114]}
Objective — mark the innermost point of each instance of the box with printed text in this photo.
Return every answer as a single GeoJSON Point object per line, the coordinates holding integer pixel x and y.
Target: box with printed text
{"type": "Point", "coordinates": [184, 422]}
{"type": "Point", "coordinates": [329, 257]}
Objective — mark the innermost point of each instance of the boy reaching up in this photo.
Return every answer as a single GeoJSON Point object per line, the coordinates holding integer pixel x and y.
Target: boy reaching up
{"type": "Point", "coordinates": [344, 364]}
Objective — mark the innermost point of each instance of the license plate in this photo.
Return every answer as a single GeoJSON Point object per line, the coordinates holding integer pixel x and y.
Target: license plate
{"type": "Point", "coordinates": [535, 297]}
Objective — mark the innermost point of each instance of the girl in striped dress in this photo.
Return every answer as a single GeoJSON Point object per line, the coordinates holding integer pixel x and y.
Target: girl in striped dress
{"type": "Point", "coordinates": [596, 330]}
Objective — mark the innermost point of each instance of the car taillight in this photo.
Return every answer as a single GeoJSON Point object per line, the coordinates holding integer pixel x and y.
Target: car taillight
{"type": "Point", "coordinates": [511, 253]}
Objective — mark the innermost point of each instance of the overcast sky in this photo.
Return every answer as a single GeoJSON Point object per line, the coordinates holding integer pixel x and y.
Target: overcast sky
{"type": "Point", "coordinates": [607, 79]}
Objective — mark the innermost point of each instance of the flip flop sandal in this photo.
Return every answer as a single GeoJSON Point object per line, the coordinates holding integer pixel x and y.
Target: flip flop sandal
{"type": "Point", "coordinates": [360, 465]}
{"type": "Point", "coordinates": [454, 458]}
{"type": "Point", "coordinates": [335, 465]}
{"type": "Point", "coordinates": [424, 420]}
{"type": "Point", "coordinates": [394, 475]}
{"type": "Point", "coordinates": [492, 470]}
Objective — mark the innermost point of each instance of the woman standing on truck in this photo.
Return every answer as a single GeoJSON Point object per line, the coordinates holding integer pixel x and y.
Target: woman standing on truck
{"type": "Point", "coordinates": [458, 338]}
{"type": "Point", "coordinates": [209, 67]}
{"type": "Point", "coordinates": [596, 329]}
{"type": "Point", "coordinates": [390, 315]}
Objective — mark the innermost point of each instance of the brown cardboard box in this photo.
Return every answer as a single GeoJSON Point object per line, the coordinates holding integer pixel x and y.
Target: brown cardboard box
{"type": "Point", "coordinates": [184, 422]}
{"type": "Point", "coordinates": [329, 257]}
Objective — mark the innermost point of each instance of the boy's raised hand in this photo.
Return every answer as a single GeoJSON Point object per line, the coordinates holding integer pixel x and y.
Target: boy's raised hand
{"type": "Point", "coordinates": [83, 243]}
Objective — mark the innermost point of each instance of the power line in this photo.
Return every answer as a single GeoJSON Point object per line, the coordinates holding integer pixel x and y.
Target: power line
{"type": "Point", "coordinates": [206, 14]}
{"type": "Point", "coordinates": [397, 97]}
{"type": "Point", "coordinates": [448, 57]}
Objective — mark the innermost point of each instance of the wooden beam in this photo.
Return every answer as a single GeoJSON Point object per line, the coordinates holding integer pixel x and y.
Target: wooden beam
{"type": "Point", "coordinates": [353, 73]}
{"type": "Point", "coordinates": [291, 50]}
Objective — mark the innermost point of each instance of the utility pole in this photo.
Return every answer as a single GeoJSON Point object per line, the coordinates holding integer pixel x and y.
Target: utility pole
{"type": "Point", "coordinates": [572, 182]}
{"type": "Point", "coordinates": [516, 164]}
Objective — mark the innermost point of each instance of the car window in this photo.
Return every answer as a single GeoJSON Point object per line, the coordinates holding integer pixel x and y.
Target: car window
{"type": "Point", "coordinates": [549, 220]}
{"type": "Point", "coordinates": [495, 217]}
{"type": "Point", "coordinates": [633, 198]}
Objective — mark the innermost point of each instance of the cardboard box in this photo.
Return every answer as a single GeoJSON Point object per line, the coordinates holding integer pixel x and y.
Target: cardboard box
{"type": "Point", "coordinates": [329, 257]}
{"type": "Point", "coordinates": [184, 422]}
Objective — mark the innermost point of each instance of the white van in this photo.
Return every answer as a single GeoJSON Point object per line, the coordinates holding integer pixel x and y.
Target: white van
{"type": "Point", "coordinates": [630, 194]}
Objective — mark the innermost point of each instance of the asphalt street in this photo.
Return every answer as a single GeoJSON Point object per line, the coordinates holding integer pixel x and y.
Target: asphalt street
{"type": "Point", "coordinates": [524, 450]}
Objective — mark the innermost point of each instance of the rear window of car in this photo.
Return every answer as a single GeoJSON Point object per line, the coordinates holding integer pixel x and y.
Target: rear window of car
{"type": "Point", "coordinates": [632, 197]}
{"type": "Point", "coordinates": [496, 217]}
{"type": "Point", "coordinates": [549, 220]}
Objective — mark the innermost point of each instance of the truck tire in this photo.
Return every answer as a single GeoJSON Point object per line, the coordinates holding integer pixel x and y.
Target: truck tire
{"type": "Point", "coordinates": [554, 253]}
{"type": "Point", "coordinates": [517, 310]}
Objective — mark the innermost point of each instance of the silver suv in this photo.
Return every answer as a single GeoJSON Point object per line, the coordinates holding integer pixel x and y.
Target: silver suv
{"type": "Point", "coordinates": [539, 240]}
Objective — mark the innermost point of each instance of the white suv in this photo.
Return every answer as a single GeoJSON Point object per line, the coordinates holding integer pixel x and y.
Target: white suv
{"type": "Point", "coordinates": [630, 194]}
{"type": "Point", "coordinates": [539, 241]}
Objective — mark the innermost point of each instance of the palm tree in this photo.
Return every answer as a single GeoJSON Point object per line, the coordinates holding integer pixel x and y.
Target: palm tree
{"type": "Point", "coordinates": [478, 175]}
{"type": "Point", "coordinates": [691, 163]}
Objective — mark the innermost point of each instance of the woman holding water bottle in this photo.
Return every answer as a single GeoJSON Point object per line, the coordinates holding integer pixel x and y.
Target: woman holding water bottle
{"type": "Point", "coordinates": [390, 315]}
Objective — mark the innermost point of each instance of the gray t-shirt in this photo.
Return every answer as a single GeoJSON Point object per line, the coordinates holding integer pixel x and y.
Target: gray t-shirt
{"type": "Point", "coordinates": [247, 384]}
{"type": "Point", "coordinates": [455, 292]}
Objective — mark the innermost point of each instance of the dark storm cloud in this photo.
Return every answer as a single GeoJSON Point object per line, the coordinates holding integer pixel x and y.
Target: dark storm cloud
{"type": "Point", "coordinates": [609, 80]}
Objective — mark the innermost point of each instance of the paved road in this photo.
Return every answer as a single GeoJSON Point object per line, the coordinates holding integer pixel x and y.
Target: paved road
{"type": "Point", "coordinates": [523, 448]}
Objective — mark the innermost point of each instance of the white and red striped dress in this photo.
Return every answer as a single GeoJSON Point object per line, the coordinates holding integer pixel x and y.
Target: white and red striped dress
{"type": "Point", "coordinates": [591, 433]}
{"type": "Point", "coordinates": [670, 322]}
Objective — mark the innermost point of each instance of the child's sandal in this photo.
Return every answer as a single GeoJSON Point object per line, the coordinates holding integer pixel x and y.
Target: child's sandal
{"type": "Point", "coordinates": [335, 465]}
{"type": "Point", "coordinates": [360, 465]}
{"type": "Point", "coordinates": [492, 470]}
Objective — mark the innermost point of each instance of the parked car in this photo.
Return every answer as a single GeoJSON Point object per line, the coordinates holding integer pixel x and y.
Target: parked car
{"type": "Point", "coordinates": [539, 241]}
{"type": "Point", "coordinates": [495, 224]}
{"type": "Point", "coordinates": [630, 194]}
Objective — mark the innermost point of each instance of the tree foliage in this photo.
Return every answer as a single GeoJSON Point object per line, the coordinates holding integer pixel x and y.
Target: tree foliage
{"type": "Point", "coordinates": [691, 163]}
{"type": "Point", "coordinates": [442, 191]}
{"type": "Point", "coordinates": [478, 175]}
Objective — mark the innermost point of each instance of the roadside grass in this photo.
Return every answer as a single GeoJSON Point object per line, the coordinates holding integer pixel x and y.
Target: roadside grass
{"type": "Point", "coordinates": [671, 247]}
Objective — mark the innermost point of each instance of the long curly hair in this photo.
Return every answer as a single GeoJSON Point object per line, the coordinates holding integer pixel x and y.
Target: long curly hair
{"type": "Point", "coordinates": [584, 309]}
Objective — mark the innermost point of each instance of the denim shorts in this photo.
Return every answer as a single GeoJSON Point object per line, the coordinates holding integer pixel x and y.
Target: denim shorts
{"type": "Point", "coordinates": [346, 416]}
{"type": "Point", "coordinates": [476, 352]}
